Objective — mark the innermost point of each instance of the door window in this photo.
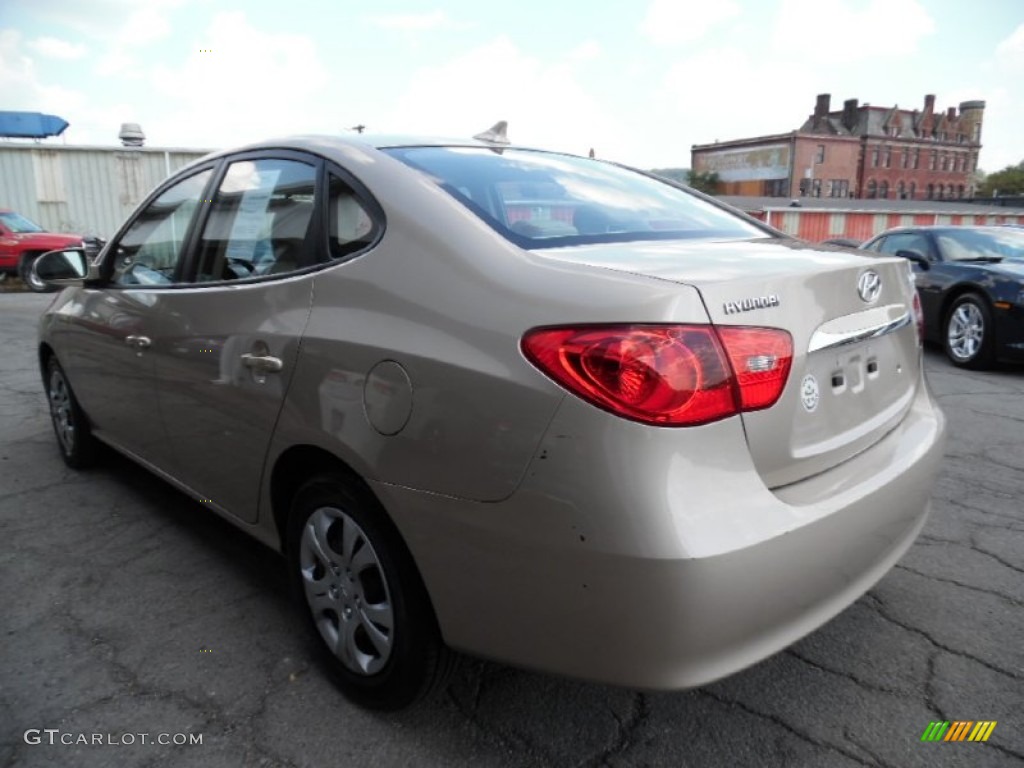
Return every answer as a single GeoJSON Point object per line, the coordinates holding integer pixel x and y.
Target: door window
{"type": "Point", "coordinates": [906, 241]}
{"type": "Point", "coordinates": [260, 221]}
{"type": "Point", "coordinates": [151, 249]}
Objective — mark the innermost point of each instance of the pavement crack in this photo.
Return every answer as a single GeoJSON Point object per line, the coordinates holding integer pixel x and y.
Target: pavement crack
{"type": "Point", "coordinates": [879, 607]}
{"type": "Point", "coordinates": [788, 727]}
{"type": "Point", "coordinates": [859, 682]}
{"type": "Point", "coordinates": [627, 729]}
{"type": "Point", "coordinates": [1005, 563]}
{"type": "Point", "coordinates": [962, 585]}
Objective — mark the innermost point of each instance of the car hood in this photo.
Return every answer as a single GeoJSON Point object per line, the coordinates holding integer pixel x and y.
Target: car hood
{"type": "Point", "coordinates": [47, 240]}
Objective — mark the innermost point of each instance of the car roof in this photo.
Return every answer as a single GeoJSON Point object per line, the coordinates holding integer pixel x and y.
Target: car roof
{"type": "Point", "coordinates": [325, 144]}
{"type": "Point", "coordinates": [939, 228]}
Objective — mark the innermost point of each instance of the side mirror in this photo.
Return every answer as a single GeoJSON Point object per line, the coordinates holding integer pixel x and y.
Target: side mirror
{"type": "Point", "coordinates": [69, 266]}
{"type": "Point", "coordinates": [915, 257]}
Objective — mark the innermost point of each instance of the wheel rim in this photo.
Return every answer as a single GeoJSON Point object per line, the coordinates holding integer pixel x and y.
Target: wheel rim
{"type": "Point", "coordinates": [61, 412]}
{"type": "Point", "coordinates": [31, 279]}
{"type": "Point", "coordinates": [966, 331]}
{"type": "Point", "coordinates": [346, 590]}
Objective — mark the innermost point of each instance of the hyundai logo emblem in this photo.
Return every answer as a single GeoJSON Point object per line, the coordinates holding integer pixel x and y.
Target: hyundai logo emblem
{"type": "Point", "coordinates": [869, 286]}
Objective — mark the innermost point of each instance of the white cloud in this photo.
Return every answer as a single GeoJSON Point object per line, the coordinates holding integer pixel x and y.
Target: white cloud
{"type": "Point", "coordinates": [735, 103]}
{"type": "Point", "coordinates": [670, 22]}
{"type": "Point", "coordinates": [414, 22]}
{"type": "Point", "coordinates": [544, 102]}
{"type": "Point", "coordinates": [53, 48]}
{"type": "Point", "coordinates": [251, 85]}
{"type": "Point", "coordinates": [586, 51]}
{"type": "Point", "coordinates": [879, 29]}
{"type": "Point", "coordinates": [1010, 52]}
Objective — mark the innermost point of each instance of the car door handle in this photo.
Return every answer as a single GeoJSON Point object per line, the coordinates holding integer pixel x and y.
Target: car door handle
{"type": "Point", "coordinates": [262, 363]}
{"type": "Point", "coordinates": [141, 342]}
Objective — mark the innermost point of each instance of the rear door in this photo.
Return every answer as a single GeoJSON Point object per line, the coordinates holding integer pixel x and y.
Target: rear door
{"type": "Point", "coordinates": [230, 340]}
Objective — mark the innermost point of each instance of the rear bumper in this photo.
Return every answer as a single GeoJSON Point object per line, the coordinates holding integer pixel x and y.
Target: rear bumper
{"type": "Point", "coordinates": [659, 560]}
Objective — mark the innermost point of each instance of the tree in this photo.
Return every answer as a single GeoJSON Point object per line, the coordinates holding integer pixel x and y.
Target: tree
{"type": "Point", "coordinates": [1009, 181]}
{"type": "Point", "coordinates": [707, 181]}
{"type": "Point", "coordinates": [678, 175]}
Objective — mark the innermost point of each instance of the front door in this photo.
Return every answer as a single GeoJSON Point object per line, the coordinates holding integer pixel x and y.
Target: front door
{"type": "Point", "coordinates": [110, 335]}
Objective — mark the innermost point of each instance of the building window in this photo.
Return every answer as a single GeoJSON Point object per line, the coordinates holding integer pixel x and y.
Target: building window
{"type": "Point", "coordinates": [872, 189]}
{"type": "Point", "coordinates": [887, 158]}
{"type": "Point", "coordinates": [901, 191]}
{"type": "Point", "coordinates": [960, 191]}
{"type": "Point", "coordinates": [976, 132]}
{"type": "Point", "coordinates": [874, 157]}
{"type": "Point", "coordinates": [932, 157]}
{"type": "Point", "coordinates": [883, 190]}
{"type": "Point", "coordinates": [839, 188]}
{"type": "Point", "coordinates": [904, 158]}
{"type": "Point", "coordinates": [820, 156]}
{"type": "Point", "coordinates": [929, 192]}
{"type": "Point", "coordinates": [816, 188]}
{"type": "Point", "coordinates": [917, 158]}
{"type": "Point", "coordinates": [942, 161]}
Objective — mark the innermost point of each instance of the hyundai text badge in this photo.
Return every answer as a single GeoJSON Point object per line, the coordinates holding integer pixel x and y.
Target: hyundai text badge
{"type": "Point", "coordinates": [757, 302]}
{"type": "Point", "coordinates": [869, 286]}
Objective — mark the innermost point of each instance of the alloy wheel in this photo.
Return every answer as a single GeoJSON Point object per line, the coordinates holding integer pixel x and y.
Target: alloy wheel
{"type": "Point", "coordinates": [346, 590]}
{"type": "Point", "coordinates": [966, 331]}
{"type": "Point", "coordinates": [62, 411]}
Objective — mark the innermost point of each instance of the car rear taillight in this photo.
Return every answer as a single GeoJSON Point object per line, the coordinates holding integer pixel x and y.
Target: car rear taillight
{"type": "Point", "coordinates": [667, 375]}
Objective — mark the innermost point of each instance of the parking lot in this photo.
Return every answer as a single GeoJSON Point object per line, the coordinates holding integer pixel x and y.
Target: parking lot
{"type": "Point", "coordinates": [129, 610]}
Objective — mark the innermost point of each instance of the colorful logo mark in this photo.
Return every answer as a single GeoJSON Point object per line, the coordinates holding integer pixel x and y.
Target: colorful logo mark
{"type": "Point", "coordinates": [958, 730]}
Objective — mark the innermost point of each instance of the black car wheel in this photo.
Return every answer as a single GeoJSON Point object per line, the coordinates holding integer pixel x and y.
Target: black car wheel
{"type": "Point", "coordinates": [363, 597]}
{"type": "Point", "coordinates": [77, 446]}
{"type": "Point", "coordinates": [29, 278]}
{"type": "Point", "coordinates": [968, 333]}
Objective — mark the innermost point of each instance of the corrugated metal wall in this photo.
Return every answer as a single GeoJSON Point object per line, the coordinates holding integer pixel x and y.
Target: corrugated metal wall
{"type": "Point", "coordinates": [85, 190]}
{"type": "Point", "coordinates": [818, 225]}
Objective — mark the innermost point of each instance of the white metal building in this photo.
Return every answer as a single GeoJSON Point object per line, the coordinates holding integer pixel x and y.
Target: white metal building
{"type": "Point", "coordinates": [81, 189]}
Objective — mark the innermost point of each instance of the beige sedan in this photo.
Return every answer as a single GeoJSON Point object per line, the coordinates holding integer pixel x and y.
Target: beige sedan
{"type": "Point", "coordinates": [525, 405]}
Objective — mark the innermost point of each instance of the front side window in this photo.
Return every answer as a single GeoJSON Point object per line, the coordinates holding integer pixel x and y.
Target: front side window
{"type": "Point", "coordinates": [906, 241]}
{"type": "Point", "coordinates": [540, 199]}
{"type": "Point", "coordinates": [260, 221]}
{"type": "Point", "coordinates": [148, 254]}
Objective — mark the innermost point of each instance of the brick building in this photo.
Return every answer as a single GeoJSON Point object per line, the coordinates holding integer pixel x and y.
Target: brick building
{"type": "Point", "coordinates": [858, 151]}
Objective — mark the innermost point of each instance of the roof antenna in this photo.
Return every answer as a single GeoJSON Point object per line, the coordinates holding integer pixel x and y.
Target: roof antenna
{"type": "Point", "coordinates": [495, 134]}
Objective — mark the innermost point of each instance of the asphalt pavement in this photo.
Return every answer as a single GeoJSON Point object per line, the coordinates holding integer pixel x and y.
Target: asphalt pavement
{"type": "Point", "coordinates": [131, 616]}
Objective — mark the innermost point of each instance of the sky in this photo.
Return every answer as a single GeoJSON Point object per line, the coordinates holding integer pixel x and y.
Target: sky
{"type": "Point", "coordinates": [639, 81]}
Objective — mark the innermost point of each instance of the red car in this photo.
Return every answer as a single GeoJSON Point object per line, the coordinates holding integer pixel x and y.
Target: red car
{"type": "Point", "coordinates": [22, 241]}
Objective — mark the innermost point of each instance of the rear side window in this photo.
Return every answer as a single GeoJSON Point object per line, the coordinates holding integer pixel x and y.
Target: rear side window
{"type": "Point", "coordinates": [260, 221]}
{"type": "Point", "coordinates": [541, 199]}
{"type": "Point", "coordinates": [350, 226]}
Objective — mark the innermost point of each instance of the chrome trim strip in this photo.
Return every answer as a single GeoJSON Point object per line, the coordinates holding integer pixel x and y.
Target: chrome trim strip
{"type": "Point", "coordinates": [824, 340]}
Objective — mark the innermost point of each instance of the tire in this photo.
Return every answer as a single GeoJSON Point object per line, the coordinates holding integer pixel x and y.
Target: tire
{"type": "Point", "coordinates": [78, 447]}
{"type": "Point", "coordinates": [362, 596]}
{"type": "Point", "coordinates": [968, 334]}
{"type": "Point", "coordinates": [28, 278]}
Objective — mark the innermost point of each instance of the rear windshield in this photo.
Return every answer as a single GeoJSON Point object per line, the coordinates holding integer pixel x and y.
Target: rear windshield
{"type": "Point", "coordinates": [544, 200]}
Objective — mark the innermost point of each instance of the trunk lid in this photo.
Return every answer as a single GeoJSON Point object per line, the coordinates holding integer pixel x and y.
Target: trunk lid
{"type": "Point", "coordinates": [856, 360]}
